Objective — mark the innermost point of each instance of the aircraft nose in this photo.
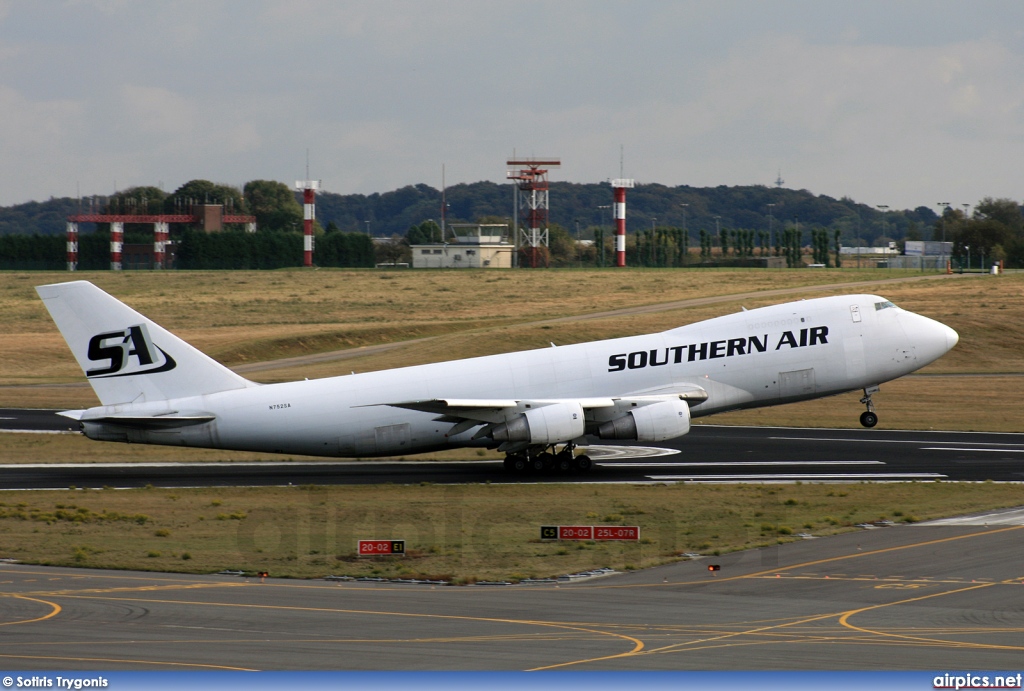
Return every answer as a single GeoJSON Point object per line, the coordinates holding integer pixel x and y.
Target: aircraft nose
{"type": "Point", "coordinates": [931, 339]}
{"type": "Point", "coordinates": [952, 337]}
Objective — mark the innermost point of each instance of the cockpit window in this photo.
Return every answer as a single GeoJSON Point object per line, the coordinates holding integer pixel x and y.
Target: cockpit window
{"type": "Point", "coordinates": [883, 305]}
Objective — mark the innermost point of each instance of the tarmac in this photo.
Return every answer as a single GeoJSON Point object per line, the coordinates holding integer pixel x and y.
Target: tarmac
{"type": "Point", "coordinates": [945, 595]}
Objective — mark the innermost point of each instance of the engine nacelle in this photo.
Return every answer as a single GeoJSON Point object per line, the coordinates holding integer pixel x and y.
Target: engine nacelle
{"type": "Point", "coordinates": [550, 424]}
{"type": "Point", "coordinates": [655, 422]}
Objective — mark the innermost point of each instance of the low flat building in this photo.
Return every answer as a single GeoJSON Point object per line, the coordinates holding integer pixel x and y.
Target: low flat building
{"type": "Point", "coordinates": [927, 248]}
{"type": "Point", "coordinates": [473, 246]}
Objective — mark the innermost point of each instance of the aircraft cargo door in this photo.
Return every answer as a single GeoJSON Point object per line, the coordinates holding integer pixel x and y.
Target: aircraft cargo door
{"type": "Point", "coordinates": [386, 439]}
{"type": "Point", "coordinates": [796, 384]}
{"type": "Point", "coordinates": [392, 438]}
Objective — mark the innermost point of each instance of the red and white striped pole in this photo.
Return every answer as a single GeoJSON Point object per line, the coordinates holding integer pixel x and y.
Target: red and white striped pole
{"type": "Point", "coordinates": [159, 244]}
{"type": "Point", "coordinates": [116, 244]}
{"type": "Point", "coordinates": [309, 188]}
{"type": "Point", "coordinates": [620, 185]}
{"type": "Point", "coordinates": [72, 246]}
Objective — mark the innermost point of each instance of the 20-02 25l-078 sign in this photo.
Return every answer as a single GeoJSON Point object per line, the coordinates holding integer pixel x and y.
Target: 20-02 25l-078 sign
{"type": "Point", "coordinates": [590, 532]}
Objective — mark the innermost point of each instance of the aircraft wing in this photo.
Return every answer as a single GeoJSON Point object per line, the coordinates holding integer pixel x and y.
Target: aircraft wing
{"type": "Point", "coordinates": [466, 413]}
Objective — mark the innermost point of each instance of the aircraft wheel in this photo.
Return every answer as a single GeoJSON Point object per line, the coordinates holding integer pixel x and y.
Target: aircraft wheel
{"type": "Point", "coordinates": [868, 419]}
{"type": "Point", "coordinates": [516, 463]}
{"type": "Point", "coordinates": [543, 461]}
{"type": "Point", "coordinates": [564, 462]}
{"type": "Point", "coordinates": [583, 463]}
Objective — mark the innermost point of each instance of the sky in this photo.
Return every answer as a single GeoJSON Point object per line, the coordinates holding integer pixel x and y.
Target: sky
{"type": "Point", "coordinates": [902, 104]}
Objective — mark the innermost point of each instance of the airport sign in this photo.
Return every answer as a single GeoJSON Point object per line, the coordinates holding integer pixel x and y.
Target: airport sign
{"type": "Point", "coordinates": [375, 548]}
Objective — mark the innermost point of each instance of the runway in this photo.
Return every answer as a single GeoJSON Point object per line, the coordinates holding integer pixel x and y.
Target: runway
{"type": "Point", "coordinates": [942, 595]}
{"type": "Point", "coordinates": [936, 597]}
{"type": "Point", "coordinates": [708, 453]}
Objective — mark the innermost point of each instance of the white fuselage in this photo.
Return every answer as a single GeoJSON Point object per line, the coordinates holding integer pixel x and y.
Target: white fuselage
{"type": "Point", "coordinates": [766, 356]}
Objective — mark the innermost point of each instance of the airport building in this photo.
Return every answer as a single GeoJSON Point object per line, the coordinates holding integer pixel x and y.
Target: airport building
{"type": "Point", "coordinates": [471, 246]}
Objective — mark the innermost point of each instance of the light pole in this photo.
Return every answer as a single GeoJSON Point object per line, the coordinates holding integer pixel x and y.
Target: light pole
{"type": "Point", "coordinates": [685, 239]}
{"type": "Point", "coordinates": [883, 208]}
{"type": "Point", "coordinates": [577, 252]}
{"type": "Point", "coordinates": [718, 234]}
{"type": "Point", "coordinates": [799, 241]}
{"type": "Point", "coordinates": [945, 208]}
{"type": "Point", "coordinates": [858, 241]}
{"type": "Point", "coordinates": [771, 235]}
{"type": "Point", "coordinates": [601, 225]}
{"type": "Point", "coordinates": [654, 241]}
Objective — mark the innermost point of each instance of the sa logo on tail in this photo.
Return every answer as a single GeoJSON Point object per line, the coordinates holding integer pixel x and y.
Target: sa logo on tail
{"type": "Point", "coordinates": [116, 349]}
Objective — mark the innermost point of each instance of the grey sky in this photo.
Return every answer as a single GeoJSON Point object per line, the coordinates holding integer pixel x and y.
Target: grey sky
{"type": "Point", "coordinates": [897, 103]}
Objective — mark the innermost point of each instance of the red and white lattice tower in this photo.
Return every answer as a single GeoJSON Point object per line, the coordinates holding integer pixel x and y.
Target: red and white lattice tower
{"type": "Point", "coordinates": [160, 233]}
{"type": "Point", "coordinates": [532, 198]}
{"type": "Point", "coordinates": [72, 246]}
{"type": "Point", "coordinates": [309, 188]}
{"type": "Point", "coordinates": [620, 185]}
{"type": "Point", "coordinates": [116, 244]}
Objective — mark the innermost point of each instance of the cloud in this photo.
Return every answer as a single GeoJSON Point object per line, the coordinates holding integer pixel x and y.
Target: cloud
{"type": "Point", "coordinates": [156, 111]}
{"type": "Point", "coordinates": [887, 103]}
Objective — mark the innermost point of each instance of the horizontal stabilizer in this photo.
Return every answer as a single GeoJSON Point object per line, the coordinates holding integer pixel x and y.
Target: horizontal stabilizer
{"type": "Point", "coordinates": [156, 422]}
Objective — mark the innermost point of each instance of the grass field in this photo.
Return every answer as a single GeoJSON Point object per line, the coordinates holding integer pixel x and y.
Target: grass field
{"type": "Point", "coordinates": [453, 532]}
{"type": "Point", "coordinates": [473, 531]}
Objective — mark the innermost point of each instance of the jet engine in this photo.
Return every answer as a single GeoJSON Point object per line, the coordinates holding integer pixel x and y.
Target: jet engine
{"type": "Point", "coordinates": [550, 424]}
{"type": "Point", "coordinates": [655, 422]}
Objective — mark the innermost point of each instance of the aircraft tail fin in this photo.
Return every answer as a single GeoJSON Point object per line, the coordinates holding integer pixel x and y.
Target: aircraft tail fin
{"type": "Point", "coordinates": [125, 356]}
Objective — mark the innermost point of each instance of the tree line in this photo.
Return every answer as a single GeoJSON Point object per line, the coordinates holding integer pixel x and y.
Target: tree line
{"type": "Point", "coordinates": [277, 207]}
{"type": "Point", "coordinates": [726, 223]}
{"type": "Point", "coordinates": [277, 243]}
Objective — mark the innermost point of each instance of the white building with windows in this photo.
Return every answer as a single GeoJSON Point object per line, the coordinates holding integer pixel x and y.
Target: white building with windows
{"type": "Point", "coordinates": [473, 246]}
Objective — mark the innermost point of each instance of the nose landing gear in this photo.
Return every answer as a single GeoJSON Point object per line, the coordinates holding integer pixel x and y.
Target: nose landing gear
{"type": "Point", "coordinates": [868, 417]}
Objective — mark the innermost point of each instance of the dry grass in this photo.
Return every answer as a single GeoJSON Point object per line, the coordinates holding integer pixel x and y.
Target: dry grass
{"type": "Point", "coordinates": [460, 532]}
{"type": "Point", "coordinates": [968, 404]}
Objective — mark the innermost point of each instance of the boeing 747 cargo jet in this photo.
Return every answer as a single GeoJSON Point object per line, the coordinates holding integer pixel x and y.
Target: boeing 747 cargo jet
{"type": "Point", "coordinates": [535, 406]}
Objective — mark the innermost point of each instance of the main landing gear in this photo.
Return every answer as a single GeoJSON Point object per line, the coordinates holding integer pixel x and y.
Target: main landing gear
{"type": "Point", "coordinates": [868, 417]}
{"type": "Point", "coordinates": [548, 461]}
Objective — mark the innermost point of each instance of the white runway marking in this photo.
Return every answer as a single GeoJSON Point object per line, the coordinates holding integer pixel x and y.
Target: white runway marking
{"type": "Point", "coordinates": [824, 477]}
{"type": "Point", "coordinates": [603, 453]}
{"type": "Point", "coordinates": [712, 464]}
{"type": "Point", "coordinates": [1010, 517]}
{"type": "Point", "coordinates": [855, 441]}
{"type": "Point", "coordinates": [953, 448]}
{"type": "Point", "coordinates": [890, 441]}
{"type": "Point", "coordinates": [37, 431]}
